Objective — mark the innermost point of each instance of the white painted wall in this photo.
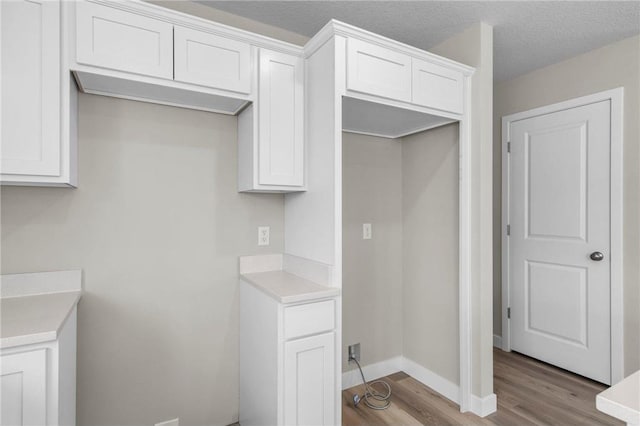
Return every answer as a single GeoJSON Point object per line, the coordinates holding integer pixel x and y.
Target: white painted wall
{"type": "Point", "coordinates": [372, 269]}
{"type": "Point", "coordinates": [611, 66]}
{"type": "Point", "coordinates": [157, 226]}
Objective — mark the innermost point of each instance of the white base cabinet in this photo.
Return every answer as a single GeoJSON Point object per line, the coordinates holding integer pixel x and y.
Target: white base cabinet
{"type": "Point", "coordinates": [308, 380]}
{"type": "Point", "coordinates": [287, 360]}
{"type": "Point", "coordinates": [38, 381]}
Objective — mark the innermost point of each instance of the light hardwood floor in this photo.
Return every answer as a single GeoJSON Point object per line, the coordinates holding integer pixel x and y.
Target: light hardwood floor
{"type": "Point", "coordinates": [529, 393]}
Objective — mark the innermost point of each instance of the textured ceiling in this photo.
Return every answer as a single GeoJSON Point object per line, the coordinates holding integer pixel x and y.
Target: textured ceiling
{"type": "Point", "coordinates": [527, 35]}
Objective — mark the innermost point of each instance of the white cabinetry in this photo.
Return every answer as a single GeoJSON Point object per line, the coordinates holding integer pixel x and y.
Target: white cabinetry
{"type": "Point", "coordinates": [271, 132]}
{"type": "Point", "coordinates": [38, 381]}
{"type": "Point", "coordinates": [35, 145]}
{"type": "Point", "coordinates": [378, 71]}
{"type": "Point", "coordinates": [213, 61]}
{"type": "Point", "coordinates": [287, 359]}
{"type": "Point", "coordinates": [437, 87]}
{"type": "Point", "coordinates": [116, 39]}
{"type": "Point", "coordinates": [23, 384]}
{"type": "Point", "coordinates": [308, 380]}
{"type": "Point", "coordinates": [398, 76]}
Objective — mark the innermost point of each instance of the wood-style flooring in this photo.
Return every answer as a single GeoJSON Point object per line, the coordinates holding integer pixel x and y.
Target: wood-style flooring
{"type": "Point", "coordinates": [529, 393]}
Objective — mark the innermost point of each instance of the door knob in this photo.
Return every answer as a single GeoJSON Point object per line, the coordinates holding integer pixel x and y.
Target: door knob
{"type": "Point", "coordinates": [597, 256]}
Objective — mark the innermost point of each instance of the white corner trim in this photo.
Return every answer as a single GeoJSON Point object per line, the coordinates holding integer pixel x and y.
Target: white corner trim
{"type": "Point", "coordinates": [479, 406]}
{"type": "Point", "coordinates": [484, 406]}
{"type": "Point", "coordinates": [497, 341]}
{"type": "Point", "coordinates": [374, 371]}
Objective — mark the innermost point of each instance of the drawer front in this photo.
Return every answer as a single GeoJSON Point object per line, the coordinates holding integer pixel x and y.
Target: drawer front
{"type": "Point", "coordinates": [378, 71]}
{"type": "Point", "coordinates": [112, 38]}
{"type": "Point", "coordinates": [437, 87]}
{"type": "Point", "coordinates": [208, 60]}
{"type": "Point", "coordinates": [302, 320]}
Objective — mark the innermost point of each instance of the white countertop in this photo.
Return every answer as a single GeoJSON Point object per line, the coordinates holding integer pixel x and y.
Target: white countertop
{"type": "Point", "coordinates": [285, 287]}
{"type": "Point", "coordinates": [622, 400]}
{"type": "Point", "coordinates": [33, 319]}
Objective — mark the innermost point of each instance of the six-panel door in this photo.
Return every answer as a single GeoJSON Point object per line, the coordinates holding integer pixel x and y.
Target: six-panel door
{"type": "Point", "coordinates": [30, 50]}
{"type": "Point", "coordinates": [212, 61]}
{"type": "Point", "coordinates": [309, 380]}
{"type": "Point", "coordinates": [281, 119]}
{"type": "Point", "coordinates": [112, 38]}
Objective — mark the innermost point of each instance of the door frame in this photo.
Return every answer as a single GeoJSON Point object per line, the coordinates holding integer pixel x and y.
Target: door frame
{"type": "Point", "coordinates": [615, 96]}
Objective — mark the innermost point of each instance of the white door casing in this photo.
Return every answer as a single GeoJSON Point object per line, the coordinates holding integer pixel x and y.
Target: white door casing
{"type": "Point", "coordinates": [559, 177]}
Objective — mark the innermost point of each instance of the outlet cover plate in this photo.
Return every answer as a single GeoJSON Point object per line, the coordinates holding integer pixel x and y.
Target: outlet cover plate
{"type": "Point", "coordinates": [263, 235]}
{"type": "Point", "coordinates": [354, 352]}
{"type": "Point", "coordinates": [366, 231]}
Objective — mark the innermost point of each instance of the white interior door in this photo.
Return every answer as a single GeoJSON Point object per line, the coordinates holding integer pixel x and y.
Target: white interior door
{"type": "Point", "coordinates": [559, 215]}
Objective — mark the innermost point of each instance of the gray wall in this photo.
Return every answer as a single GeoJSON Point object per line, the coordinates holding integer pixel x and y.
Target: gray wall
{"type": "Point", "coordinates": [400, 292]}
{"type": "Point", "coordinates": [474, 47]}
{"type": "Point", "coordinates": [615, 65]}
{"type": "Point", "coordinates": [372, 269]}
{"type": "Point", "coordinates": [430, 249]}
{"type": "Point", "coordinates": [157, 226]}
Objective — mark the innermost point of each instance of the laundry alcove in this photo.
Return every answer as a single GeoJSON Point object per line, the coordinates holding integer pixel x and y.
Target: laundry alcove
{"type": "Point", "coordinates": [399, 286]}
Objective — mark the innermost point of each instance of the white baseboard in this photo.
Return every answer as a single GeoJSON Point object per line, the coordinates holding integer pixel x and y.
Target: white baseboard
{"type": "Point", "coordinates": [484, 406]}
{"type": "Point", "coordinates": [497, 341]}
{"type": "Point", "coordinates": [371, 372]}
{"type": "Point", "coordinates": [427, 377]}
{"type": "Point", "coordinates": [479, 406]}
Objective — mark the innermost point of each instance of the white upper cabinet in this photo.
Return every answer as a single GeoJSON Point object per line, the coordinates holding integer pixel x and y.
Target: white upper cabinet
{"type": "Point", "coordinates": [212, 61]}
{"type": "Point", "coordinates": [31, 145]}
{"type": "Point", "coordinates": [271, 131]}
{"type": "Point", "coordinates": [435, 86]}
{"type": "Point", "coordinates": [398, 76]}
{"type": "Point", "coordinates": [112, 38]}
{"type": "Point", "coordinates": [280, 104]}
{"type": "Point", "coordinates": [379, 71]}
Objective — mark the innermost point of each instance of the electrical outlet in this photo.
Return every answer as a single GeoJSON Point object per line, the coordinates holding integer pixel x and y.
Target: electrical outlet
{"type": "Point", "coordinates": [263, 235]}
{"type": "Point", "coordinates": [366, 231]}
{"type": "Point", "coordinates": [174, 422]}
{"type": "Point", "coordinates": [354, 352]}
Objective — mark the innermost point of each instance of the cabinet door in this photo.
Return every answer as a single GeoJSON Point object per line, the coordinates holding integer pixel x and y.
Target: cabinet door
{"type": "Point", "coordinates": [23, 386]}
{"type": "Point", "coordinates": [30, 75]}
{"type": "Point", "coordinates": [213, 61]}
{"type": "Point", "coordinates": [309, 381]}
{"type": "Point", "coordinates": [437, 87]}
{"type": "Point", "coordinates": [280, 119]}
{"type": "Point", "coordinates": [378, 71]}
{"type": "Point", "coordinates": [112, 38]}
